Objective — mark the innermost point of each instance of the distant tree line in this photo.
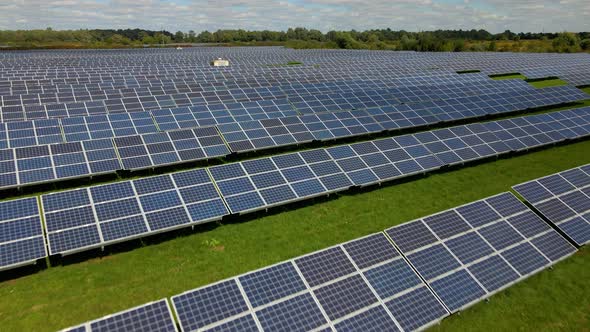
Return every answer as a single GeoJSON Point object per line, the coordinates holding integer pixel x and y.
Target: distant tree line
{"type": "Point", "coordinates": [386, 39]}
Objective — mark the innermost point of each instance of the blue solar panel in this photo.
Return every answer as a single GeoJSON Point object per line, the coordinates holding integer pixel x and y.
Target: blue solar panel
{"type": "Point", "coordinates": [344, 297]}
{"type": "Point", "coordinates": [155, 316]}
{"type": "Point", "coordinates": [469, 247]}
{"type": "Point", "coordinates": [410, 236]}
{"type": "Point", "coordinates": [500, 235]}
{"type": "Point", "coordinates": [375, 319]}
{"type": "Point", "coordinates": [493, 273]}
{"type": "Point", "coordinates": [525, 259]}
{"type": "Point", "coordinates": [446, 224]}
{"type": "Point", "coordinates": [392, 278]}
{"type": "Point", "coordinates": [272, 283]}
{"type": "Point", "coordinates": [433, 261]}
{"type": "Point", "coordinates": [370, 250]}
{"type": "Point", "coordinates": [324, 266]}
{"type": "Point", "coordinates": [199, 308]}
{"type": "Point", "coordinates": [553, 246]}
{"type": "Point", "coordinates": [457, 290]}
{"type": "Point", "coordinates": [416, 309]}
{"type": "Point", "coordinates": [300, 313]}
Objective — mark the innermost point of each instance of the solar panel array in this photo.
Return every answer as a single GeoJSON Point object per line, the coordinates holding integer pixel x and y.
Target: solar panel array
{"type": "Point", "coordinates": [259, 184]}
{"type": "Point", "coordinates": [406, 278]}
{"type": "Point", "coordinates": [74, 114]}
{"type": "Point", "coordinates": [489, 98]}
{"type": "Point", "coordinates": [470, 252]}
{"type": "Point", "coordinates": [93, 217]}
{"type": "Point", "coordinates": [43, 163]}
{"type": "Point", "coordinates": [564, 199]}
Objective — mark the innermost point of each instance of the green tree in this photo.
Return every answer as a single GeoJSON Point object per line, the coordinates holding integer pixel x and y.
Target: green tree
{"type": "Point", "coordinates": [492, 47]}
{"type": "Point", "coordinates": [179, 36]}
{"type": "Point", "coordinates": [161, 38]}
{"type": "Point", "coordinates": [192, 37]}
{"type": "Point", "coordinates": [118, 40]}
{"type": "Point", "coordinates": [585, 44]}
{"type": "Point", "coordinates": [566, 42]}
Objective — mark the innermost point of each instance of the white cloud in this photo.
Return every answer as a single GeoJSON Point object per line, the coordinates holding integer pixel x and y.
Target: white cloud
{"type": "Point", "coordinates": [198, 15]}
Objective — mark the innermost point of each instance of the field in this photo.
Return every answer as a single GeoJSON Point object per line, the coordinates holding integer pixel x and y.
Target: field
{"type": "Point", "coordinates": [72, 289]}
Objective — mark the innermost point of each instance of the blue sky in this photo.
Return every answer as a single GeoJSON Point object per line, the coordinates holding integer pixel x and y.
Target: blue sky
{"type": "Point", "coordinates": [198, 15]}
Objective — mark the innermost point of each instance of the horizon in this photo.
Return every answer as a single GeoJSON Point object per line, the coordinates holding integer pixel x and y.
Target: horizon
{"type": "Point", "coordinates": [494, 16]}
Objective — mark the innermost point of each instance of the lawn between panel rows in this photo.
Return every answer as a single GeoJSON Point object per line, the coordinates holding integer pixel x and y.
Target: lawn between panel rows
{"type": "Point", "coordinates": [62, 296]}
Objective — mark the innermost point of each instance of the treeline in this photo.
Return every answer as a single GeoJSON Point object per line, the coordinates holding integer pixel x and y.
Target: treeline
{"type": "Point", "coordinates": [83, 38]}
{"type": "Point", "coordinates": [384, 39]}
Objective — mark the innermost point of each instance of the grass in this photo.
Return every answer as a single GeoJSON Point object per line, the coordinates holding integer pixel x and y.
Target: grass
{"type": "Point", "coordinates": [62, 296]}
{"type": "Point", "coordinates": [290, 63]}
{"type": "Point", "coordinates": [537, 83]}
{"type": "Point", "coordinates": [545, 83]}
{"type": "Point", "coordinates": [508, 76]}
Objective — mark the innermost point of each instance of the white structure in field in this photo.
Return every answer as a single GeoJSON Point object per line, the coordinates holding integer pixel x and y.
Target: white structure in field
{"type": "Point", "coordinates": [220, 63]}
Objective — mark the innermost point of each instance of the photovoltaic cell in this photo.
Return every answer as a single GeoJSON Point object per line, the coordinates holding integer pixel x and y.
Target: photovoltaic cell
{"type": "Point", "coordinates": [324, 266]}
{"type": "Point", "coordinates": [345, 296]}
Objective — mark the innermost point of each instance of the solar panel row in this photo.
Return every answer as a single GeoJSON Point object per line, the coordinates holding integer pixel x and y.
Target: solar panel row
{"type": "Point", "coordinates": [20, 107]}
{"type": "Point", "coordinates": [38, 164]}
{"type": "Point", "coordinates": [64, 94]}
{"type": "Point", "coordinates": [564, 200]}
{"type": "Point", "coordinates": [404, 279]}
{"type": "Point", "coordinates": [33, 132]}
{"type": "Point", "coordinates": [303, 104]}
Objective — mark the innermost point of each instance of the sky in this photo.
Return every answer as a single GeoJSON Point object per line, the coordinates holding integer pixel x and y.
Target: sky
{"type": "Point", "coordinates": [411, 15]}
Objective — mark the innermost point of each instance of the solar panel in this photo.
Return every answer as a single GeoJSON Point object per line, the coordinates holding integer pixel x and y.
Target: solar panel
{"type": "Point", "coordinates": [82, 219]}
{"type": "Point", "coordinates": [21, 234]}
{"type": "Point", "coordinates": [564, 200]}
{"type": "Point", "coordinates": [154, 317]}
{"type": "Point", "coordinates": [473, 251]}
